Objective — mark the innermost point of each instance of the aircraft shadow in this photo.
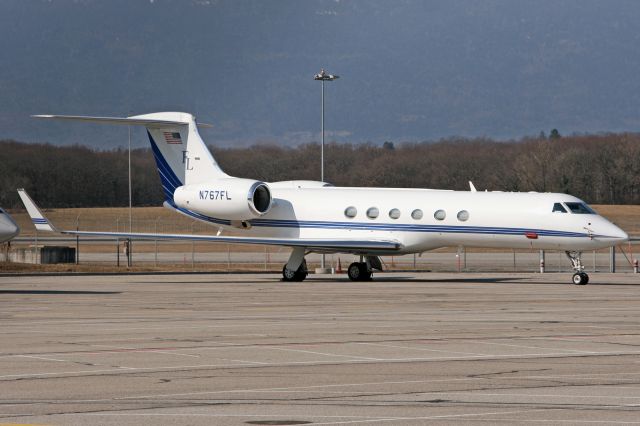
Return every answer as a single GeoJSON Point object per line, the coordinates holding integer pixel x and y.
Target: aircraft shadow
{"type": "Point", "coordinates": [52, 292]}
{"type": "Point", "coordinates": [347, 280]}
{"type": "Point", "coordinates": [379, 279]}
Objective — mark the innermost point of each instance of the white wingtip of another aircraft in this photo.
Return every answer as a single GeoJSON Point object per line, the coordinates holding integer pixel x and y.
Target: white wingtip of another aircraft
{"type": "Point", "coordinates": [40, 222]}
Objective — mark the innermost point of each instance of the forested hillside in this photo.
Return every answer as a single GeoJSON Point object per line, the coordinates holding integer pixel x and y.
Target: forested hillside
{"type": "Point", "coordinates": [601, 169]}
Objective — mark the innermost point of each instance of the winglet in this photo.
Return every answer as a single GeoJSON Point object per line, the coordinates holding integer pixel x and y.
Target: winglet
{"type": "Point", "coordinates": [41, 223]}
{"type": "Point", "coordinates": [472, 187]}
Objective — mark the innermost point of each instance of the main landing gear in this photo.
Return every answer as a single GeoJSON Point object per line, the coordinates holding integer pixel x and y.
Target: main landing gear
{"type": "Point", "coordinates": [296, 267]}
{"type": "Point", "coordinates": [579, 277]}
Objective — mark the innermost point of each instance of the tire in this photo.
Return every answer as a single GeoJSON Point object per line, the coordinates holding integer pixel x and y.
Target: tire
{"type": "Point", "coordinates": [580, 278]}
{"type": "Point", "coordinates": [354, 271]}
{"type": "Point", "coordinates": [300, 274]}
{"type": "Point", "coordinates": [294, 276]}
{"type": "Point", "coordinates": [365, 273]}
{"type": "Point", "coordinates": [358, 272]}
{"type": "Point", "coordinates": [288, 275]}
{"type": "Point", "coordinates": [585, 278]}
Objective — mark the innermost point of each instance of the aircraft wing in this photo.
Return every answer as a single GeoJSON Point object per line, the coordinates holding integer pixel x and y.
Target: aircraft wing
{"type": "Point", "coordinates": [321, 244]}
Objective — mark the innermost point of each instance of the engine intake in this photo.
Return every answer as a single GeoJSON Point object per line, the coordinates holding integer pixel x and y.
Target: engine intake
{"type": "Point", "coordinates": [260, 198]}
{"type": "Point", "coordinates": [229, 198]}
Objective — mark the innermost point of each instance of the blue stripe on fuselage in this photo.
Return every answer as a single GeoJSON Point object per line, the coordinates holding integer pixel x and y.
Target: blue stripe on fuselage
{"type": "Point", "coordinates": [448, 229]}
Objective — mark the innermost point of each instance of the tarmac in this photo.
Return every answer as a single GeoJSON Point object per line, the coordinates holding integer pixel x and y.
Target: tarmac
{"type": "Point", "coordinates": [406, 348]}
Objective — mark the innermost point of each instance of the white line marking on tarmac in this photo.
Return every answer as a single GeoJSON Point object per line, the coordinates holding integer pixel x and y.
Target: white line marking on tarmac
{"type": "Point", "coordinates": [222, 415]}
{"type": "Point", "coordinates": [529, 347]}
{"type": "Point", "coordinates": [241, 360]}
{"type": "Point", "coordinates": [143, 350]}
{"type": "Point", "coordinates": [444, 416]}
{"type": "Point", "coordinates": [275, 323]}
{"type": "Point", "coordinates": [386, 383]}
{"type": "Point", "coordinates": [353, 419]}
{"type": "Point", "coordinates": [323, 353]}
{"type": "Point", "coordinates": [345, 362]}
{"type": "Point", "coordinates": [421, 349]}
{"type": "Point", "coordinates": [473, 393]}
{"type": "Point", "coordinates": [581, 421]}
{"type": "Point", "coordinates": [39, 357]}
{"type": "Point", "coordinates": [298, 388]}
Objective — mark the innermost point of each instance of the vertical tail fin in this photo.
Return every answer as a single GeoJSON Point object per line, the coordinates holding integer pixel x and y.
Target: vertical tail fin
{"type": "Point", "coordinates": [181, 155]}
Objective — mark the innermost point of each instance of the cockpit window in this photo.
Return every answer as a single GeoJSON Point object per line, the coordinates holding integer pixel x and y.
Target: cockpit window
{"type": "Point", "coordinates": [559, 208]}
{"type": "Point", "coordinates": [579, 208]}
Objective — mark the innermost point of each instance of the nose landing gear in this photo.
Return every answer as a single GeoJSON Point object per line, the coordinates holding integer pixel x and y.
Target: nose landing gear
{"type": "Point", "coordinates": [579, 277]}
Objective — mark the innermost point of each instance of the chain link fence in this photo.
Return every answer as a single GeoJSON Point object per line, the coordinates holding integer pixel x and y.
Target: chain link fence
{"type": "Point", "coordinates": [186, 255]}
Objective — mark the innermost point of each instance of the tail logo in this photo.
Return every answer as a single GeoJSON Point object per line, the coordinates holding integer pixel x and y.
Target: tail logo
{"type": "Point", "coordinates": [172, 138]}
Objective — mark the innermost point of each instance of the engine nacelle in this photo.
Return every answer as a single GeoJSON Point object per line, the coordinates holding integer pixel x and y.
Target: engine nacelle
{"type": "Point", "coordinates": [229, 198]}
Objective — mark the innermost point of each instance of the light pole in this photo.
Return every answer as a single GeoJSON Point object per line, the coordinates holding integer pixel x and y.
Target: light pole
{"type": "Point", "coordinates": [323, 76]}
{"type": "Point", "coordinates": [129, 258]}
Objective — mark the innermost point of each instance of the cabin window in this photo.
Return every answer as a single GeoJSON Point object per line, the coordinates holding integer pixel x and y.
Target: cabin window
{"type": "Point", "coordinates": [373, 212]}
{"type": "Point", "coordinates": [394, 213]}
{"type": "Point", "coordinates": [440, 214]}
{"type": "Point", "coordinates": [558, 208]}
{"type": "Point", "coordinates": [416, 214]}
{"type": "Point", "coordinates": [463, 215]}
{"type": "Point", "coordinates": [350, 212]}
{"type": "Point", "coordinates": [579, 208]}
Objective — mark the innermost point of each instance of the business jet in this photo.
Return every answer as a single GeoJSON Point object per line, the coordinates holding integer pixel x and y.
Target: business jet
{"type": "Point", "coordinates": [312, 216]}
{"type": "Point", "coordinates": [8, 228]}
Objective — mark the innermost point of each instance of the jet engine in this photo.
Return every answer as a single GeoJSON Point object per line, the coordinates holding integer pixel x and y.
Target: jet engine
{"type": "Point", "coordinates": [228, 198]}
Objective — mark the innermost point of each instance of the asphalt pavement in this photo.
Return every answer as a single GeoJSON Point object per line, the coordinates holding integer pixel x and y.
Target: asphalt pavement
{"type": "Point", "coordinates": [407, 348]}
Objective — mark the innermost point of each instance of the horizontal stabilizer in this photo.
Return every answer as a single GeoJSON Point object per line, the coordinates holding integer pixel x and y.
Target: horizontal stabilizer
{"type": "Point", "coordinates": [127, 121]}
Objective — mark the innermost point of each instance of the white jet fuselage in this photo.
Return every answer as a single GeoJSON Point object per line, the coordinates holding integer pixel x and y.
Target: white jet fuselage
{"type": "Point", "coordinates": [493, 219]}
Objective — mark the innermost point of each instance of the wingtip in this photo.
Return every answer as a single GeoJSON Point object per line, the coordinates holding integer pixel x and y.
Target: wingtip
{"type": "Point", "coordinates": [39, 220]}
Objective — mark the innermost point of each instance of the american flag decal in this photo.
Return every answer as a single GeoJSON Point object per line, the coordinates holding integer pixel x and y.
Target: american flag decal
{"type": "Point", "coordinates": [172, 137]}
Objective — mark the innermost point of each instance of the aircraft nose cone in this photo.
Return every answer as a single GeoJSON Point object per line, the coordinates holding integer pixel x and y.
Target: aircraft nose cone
{"type": "Point", "coordinates": [618, 235]}
{"type": "Point", "coordinates": [622, 236]}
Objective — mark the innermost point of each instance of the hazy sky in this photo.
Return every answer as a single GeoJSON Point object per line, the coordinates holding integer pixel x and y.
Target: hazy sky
{"type": "Point", "coordinates": [410, 70]}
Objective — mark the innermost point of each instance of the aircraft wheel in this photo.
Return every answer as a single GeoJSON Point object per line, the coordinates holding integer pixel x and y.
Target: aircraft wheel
{"type": "Point", "coordinates": [365, 273]}
{"type": "Point", "coordinates": [292, 276]}
{"type": "Point", "coordinates": [580, 278]}
{"type": "Point", "coordinates": [357, 271]}
{"type": "Point", "coordinates": [354, 271]}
